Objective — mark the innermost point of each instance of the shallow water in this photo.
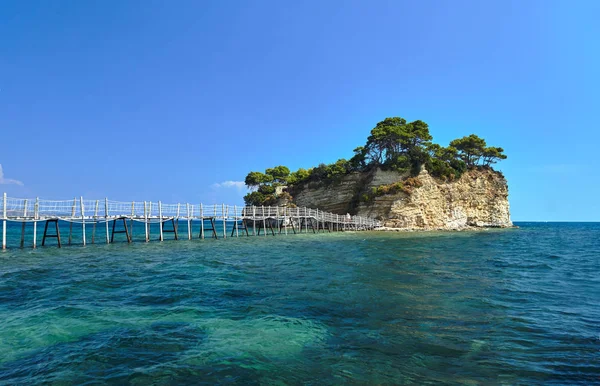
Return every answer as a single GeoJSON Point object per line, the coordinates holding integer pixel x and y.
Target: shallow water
{"type": "Point", "coordinates": [496, 307]}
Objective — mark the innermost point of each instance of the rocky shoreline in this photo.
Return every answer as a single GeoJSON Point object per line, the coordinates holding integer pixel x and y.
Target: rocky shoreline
{"type": "Point", "coordinates": [463, 229]}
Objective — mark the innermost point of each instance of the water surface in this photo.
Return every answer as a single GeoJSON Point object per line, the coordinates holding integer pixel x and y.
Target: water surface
{"type": "Point", "coordinates": [498, 307]}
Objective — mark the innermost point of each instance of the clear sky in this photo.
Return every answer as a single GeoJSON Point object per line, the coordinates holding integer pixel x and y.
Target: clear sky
{"type": "Point", "coordinates": [178, 101]}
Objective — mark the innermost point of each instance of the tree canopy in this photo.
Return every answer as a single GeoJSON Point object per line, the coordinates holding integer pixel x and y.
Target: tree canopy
{"type": "Point", "coordinates": [393, 144]}
{"type": "Point", "coordinates": [393, 138]}
{"type": "Point", "coordinates": [254, 179]}
{"type": "Point", "coordinates": [473, 151]}
{"type": "Point", "coordinates": [279, 174]}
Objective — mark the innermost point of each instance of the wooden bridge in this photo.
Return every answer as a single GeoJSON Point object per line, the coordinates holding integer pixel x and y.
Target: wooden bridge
{"type": "Point", "coordinates": [113, 217]}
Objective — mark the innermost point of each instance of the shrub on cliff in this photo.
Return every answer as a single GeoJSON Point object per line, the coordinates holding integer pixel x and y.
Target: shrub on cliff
{"type": "Point", "coordinates": [405, 186]}
{"type": "Point", "coordinates": [327, 173]}
{"type": "Point", "coordinates": [267, 189]}
{"type": "Point", "coordinates": [299, 176]}
{"type": "Point", "coordinates": [443, 162]}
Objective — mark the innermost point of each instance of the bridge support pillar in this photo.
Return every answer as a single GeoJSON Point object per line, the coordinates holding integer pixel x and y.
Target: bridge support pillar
{"type": "Point", "coordinates": [212, 228]}
{"type": "Point", "coordinates": [56, 235]}
{"type": "Point", "coordinates": [174, 224]}
{"type": "Point", "coordinates": [125, 229]}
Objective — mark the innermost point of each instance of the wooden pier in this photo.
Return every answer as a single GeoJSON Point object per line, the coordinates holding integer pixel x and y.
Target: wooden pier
{"type": "Point", "coordinates": [113, 217]}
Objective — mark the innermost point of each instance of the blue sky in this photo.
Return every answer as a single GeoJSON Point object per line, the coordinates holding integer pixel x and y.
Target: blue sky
{"type": "Point", "coordinates": [149, 100]}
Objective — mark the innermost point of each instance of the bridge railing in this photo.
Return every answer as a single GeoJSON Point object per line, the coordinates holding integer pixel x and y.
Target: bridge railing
{"type": "Point", "coordinates": [80, 209]}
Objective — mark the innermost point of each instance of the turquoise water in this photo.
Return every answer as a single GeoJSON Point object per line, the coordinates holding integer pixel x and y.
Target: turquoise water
{"type": "Point", "coordinates": [136, 229]}
{"type": "Point", "coordinates": [515, 306]}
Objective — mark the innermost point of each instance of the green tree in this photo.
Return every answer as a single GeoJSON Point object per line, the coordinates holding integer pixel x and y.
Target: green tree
{"type": "Point", "coordinates": [266, 189]}
{"type": "Point", "coordinates": [491, 155]}
{"type": "Point", "coordinates": [443, 153]}
{"type": "Point", "coordinates": [444, 162]}
{"type": "Point", "coordinates": [417, 156]}
{"type": "Point", "coordinates": [319, 173]}
{"type": "Point", "coordinates": [337, 169]}
{"type": "Point", "coordinates": [392, 144]}
{"type": "Point", "coordinates": [254, 179]}
{"type": "Point", "coordinates": [393, 138]}
{"type": "Point", "coordinates": [359, 160]}
{"type": "Point", "coordinates": [254, 198]}
{"type": "Point", "coordinates": [298, 176]}
{"type": "Point", "coordinates": [470, 149]}
{"type": "Point", "coordinates": [384, 142]}
{"type": "Point", "coordinates": [279, 174]}
{"type": "Point", "coordinates": [416, 135]}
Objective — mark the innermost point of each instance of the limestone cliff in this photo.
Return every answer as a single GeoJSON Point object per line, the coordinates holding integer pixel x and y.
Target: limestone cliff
{"type": "Point", "coordinates": [478, 199]}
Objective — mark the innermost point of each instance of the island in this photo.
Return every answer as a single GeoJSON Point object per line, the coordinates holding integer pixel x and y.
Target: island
{"type": "Point", "coordinates": [401, 177]}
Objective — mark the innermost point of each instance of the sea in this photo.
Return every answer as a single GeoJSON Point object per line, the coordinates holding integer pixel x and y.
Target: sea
{"type": "Point", "coordinates": [494, 307]}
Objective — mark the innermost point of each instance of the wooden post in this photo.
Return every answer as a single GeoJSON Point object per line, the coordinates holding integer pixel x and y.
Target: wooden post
{"type": "Point", "coordinates": [35, 218]}
{"type": "Point", "coordinates": [149, 221]}
{"type": "Point", "coordinates": [106, 218]}
{"type": "Point", "coordinates": [95, 221]}
{"type": "Point", "coordinates": [4, 221]}
{"type": "Point", "coordinates": [305, 223]}
{"type": "Point", "coordinates": [253, 220]}
{"type": "Point", "coordinates": [176, 222]}
{"type": "Point", "coordinates": [160, 217]}
{"type": "Point", "coordinates": [236, 220]}
{"type": "Point", "coordinates": [82, 219]}
{"type": "Point", "coordinates": [214, 220]}
{"type": "Point", "coordinates": [57, 234]}
{"type": "Point", "coordinates": [23, 225]}
{"type": "Point", "coordinates": [71, 221]}
{"type": "Point", "coordinates": [277, 217]}
{"type": "Point", "coordinates": [189, 221]}
{"type": "Point", "coordinates": [146, 221]}
{"type": "Point", "coordinates": [264, 220]}
{"type": "Point", "coordinates": [201, 221]}
{"type": "Point", "coordinates": [131, 220]}
{"type": "Point", "coordinates": [224, 223]}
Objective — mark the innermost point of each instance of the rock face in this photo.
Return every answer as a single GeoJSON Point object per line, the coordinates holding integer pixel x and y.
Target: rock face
{"type": "Point", "coordinates": [478, 199]}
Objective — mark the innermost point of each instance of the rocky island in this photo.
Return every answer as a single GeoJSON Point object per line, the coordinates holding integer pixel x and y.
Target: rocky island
{"type": "Point", "coordinates": [402, 178]}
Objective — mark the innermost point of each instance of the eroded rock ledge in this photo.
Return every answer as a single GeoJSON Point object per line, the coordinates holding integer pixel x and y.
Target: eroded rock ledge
{"type": "Point", "coordinates": [478, 199]}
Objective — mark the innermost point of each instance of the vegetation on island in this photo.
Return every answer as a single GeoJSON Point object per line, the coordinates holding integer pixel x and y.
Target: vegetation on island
{"type": "Point", "coordinates": [394, 144]}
